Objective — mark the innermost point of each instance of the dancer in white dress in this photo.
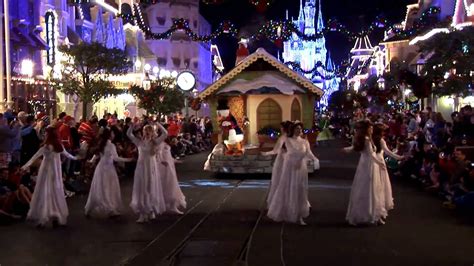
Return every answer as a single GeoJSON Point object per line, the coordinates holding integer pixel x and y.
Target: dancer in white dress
{"type": "Point", "coordinates": [381, 147]}
{"type": "Point", "coordinates": [290, 200]}
{"type": "Point", "coordinates": [366, 204]}
{"type": "Point", "coordinates": [147, 196]}
{"type": "Point", "coordinates": [48, 203]}
{"type": "Point", "coordinates": [174, 197]}
{"type": "Point", "coordinates": [104, 196]}
{"type": "Point", "coordinates": [279, 150]}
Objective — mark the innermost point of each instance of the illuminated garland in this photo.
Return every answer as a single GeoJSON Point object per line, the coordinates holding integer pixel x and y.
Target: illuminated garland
{"type": "Point", "coordinates": [315, 70]}
{"type": "Point", "coordinates": [277, 31]}
{"type": "Point", "coordinates": [420, 24]}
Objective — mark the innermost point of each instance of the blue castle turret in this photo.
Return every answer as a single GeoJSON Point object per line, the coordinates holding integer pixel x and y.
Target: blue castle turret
{"type": "Point", "coordinates": [309, 53]}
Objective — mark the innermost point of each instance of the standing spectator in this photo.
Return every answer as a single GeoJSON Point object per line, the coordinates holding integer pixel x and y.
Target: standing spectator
{"type": "Point", "coordinates": [7, 137]}
{"type": "Point", "coordinates": [173, 128]}
{"type": "Point", "coordinates": [30, 140]}
{"type": "Point", "coordinates": [64, 131]}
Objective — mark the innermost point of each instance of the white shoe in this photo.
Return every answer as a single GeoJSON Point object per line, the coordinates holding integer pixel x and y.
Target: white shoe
{"type": "Point", "coordinates": [175, 210]}
{"type": "Point", "coordinates": [152, 216]}
{"type": "Point", "coordinates": [302, 222]}
{"type": "Point", "coordinates": [142, 219]}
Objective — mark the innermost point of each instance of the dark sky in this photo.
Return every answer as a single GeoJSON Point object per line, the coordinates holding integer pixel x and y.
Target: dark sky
{"type": "Point", "coordinates": [355, 14]}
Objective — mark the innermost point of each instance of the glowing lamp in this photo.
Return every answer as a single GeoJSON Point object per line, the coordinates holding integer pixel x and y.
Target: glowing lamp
{"type": "Point", "coordinates": [27, 67]}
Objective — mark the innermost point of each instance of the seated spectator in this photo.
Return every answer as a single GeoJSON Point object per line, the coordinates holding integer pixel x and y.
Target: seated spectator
{"type": "Point", "coordinates": [177, 148]}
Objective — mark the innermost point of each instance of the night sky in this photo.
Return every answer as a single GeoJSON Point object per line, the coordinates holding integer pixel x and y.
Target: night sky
{"type": "Point", "coordinates": [356, 15]}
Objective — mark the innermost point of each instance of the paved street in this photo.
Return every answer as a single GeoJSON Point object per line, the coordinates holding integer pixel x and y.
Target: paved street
{"type": "Point", "coordinates": [225, 224]}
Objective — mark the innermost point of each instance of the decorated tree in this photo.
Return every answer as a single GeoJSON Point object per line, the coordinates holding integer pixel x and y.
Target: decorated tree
{"type": "Point", "coordinates": [162, 98]}
{"type": "Point", "coordinates": [451, 62]}
{"type": "Point", "coordinates": [85, 71]}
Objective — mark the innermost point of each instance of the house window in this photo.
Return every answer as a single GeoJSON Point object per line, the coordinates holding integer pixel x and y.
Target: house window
{"type": "Point", "coordinates": [295, 110]}
{"type": "Point", "coordinates": [269, 114]}
{"type": "Point", "coordinates": [161, 20]}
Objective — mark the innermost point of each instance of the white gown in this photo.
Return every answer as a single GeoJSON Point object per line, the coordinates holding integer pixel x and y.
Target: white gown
{"type": "Point", "coordinates": [174, 197]}
{"type": "Point", "coordinates": [289, 202]}
{"type": "Point", "coordinates": [104, 195]}
{"type": "Point", "coordinates": [147, 195]}
{"type": "Point", "coordinates": [48, 202]}
{"type": "Point", "coordinates": [385, 178]}
{"type": "Point", "coordinates": [277, 166]}
{"type": "Point", "coordinates": [367, 199]}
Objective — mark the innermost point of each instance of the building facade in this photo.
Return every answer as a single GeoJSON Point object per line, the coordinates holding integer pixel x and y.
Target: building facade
{"type": "Point", "coordinates": [179, 52]}
{"type": "Point", "coordinates": [310, 54]}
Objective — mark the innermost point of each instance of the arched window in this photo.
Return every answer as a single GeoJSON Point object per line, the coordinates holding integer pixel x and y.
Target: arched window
{"type": "Point", "coordinates": [295, 110]}
{"type": "Point", "coordinates": [269, 114]}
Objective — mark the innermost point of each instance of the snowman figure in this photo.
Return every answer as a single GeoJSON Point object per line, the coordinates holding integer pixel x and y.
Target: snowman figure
{"type": "Point", "coordinates": [232, 134]}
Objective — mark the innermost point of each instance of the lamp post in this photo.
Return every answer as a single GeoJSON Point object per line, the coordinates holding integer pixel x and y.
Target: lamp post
{"type": "Point", "coordinates": [186, 82]}
{"type": "Point", "coordinates": [8, 68]}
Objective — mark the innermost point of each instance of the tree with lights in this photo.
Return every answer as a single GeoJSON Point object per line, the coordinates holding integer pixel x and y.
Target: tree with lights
{"type": "Point", "coordinates": [162, 98]}
{"type": "Point", "coordinates": [85, 71]}
{"type": "Point", "coordinates": [452, 63]}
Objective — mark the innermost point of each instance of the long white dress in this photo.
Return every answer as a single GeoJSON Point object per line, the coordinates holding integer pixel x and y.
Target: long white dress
{"type": "Point", "coordinates": [385, 178]}
{"type": "Point", "coordinates": [174, 197]}
{"type": "Point", "coordinates": [277, 165]}
{"type": "Point", "coordinates": [289, 202]}
{"type": "Point", "coordinates": [104, 196]}
{"type": "Point", "coordinates": [48, 202]}
{"type": "Point", "coordinates": [147, 195]}
{"type": "Point", "coordinates": [367, 199]}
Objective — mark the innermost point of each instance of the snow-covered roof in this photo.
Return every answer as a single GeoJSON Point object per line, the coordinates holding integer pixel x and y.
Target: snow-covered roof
{"type": "Point", "coordinates": [261, 54]}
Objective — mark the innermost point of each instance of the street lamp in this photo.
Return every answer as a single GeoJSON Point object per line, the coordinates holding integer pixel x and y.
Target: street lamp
{"type": "Point", "coordinates": [186, 82]}
{"type": "Point", "coordinates": [138, 64]}
{"type": "Point", "coordinates": [147, 67]}
{"type": "Point", "coordinates": [27, 67]}
{"type": "Point", "coordinates": [381, 83]}
{"type": "Point", "coordinates": [156, 70]}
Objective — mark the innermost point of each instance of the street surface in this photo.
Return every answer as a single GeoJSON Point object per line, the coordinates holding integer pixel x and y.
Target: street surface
{"type": "Point", "coordinates": [225, 224]}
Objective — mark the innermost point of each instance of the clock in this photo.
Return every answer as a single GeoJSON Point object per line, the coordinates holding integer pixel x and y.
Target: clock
{"type": "Point", "coordinates": [186, 80]}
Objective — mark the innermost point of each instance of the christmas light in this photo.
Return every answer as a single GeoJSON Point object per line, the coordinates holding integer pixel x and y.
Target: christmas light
{"type": "Point", "coordinates": [430, 34]}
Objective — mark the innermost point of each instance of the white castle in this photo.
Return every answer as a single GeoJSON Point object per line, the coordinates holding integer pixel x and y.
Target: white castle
{"type": "Point", "coordinates": [308, 53]}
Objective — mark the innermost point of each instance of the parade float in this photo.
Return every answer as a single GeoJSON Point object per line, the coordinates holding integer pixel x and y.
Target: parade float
{"type": "Point", "coordinates": [247, 106]}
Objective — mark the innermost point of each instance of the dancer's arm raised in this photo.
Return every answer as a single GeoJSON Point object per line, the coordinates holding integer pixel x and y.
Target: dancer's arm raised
{"type": "Point", "coordinates": [371, 152]}
{"type": "Point", "coordinates": [277, 147]}
{"type": "Point", "coordinates": [164, 133]}
{"type": "Point", "coordinates": [115, 156]}
{"type": "Point", "coordinates": [68, 155]}
{"type": "Point", "coordinates": [389, 152]}
{"type": "Point", "coordinates": [132, 137]}
{"type": "Point", "coordinates": [35, 157]}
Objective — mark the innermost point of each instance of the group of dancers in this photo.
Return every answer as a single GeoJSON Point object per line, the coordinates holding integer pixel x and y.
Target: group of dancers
{"type": "Point", "coordinates": [155, 188]}
{"type": "Point", "coordinates": [371, 192]}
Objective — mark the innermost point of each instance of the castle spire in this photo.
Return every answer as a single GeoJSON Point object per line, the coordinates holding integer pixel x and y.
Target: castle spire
{"type": "Point", "coordinates": [320, 22]}
{"type": "Point", "coordinates": [301, 25]}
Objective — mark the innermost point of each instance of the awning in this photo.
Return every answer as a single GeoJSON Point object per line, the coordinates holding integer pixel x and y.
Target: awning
{"type": "Point", "coordinates": [72, 36]}
{"type": "Point", "coordinates": [24, 38]}
{"type": "Point", "coordinates": [39, 41]}
{"type": "Point", "coordinates": [14, 37]}
{"type": "Point", "coordinates": [143, 49]}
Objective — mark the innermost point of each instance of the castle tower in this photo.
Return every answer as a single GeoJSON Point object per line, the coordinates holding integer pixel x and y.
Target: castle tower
{"type": "Point", "coordinates": [309, 16]}
{"type": "Point", "coordinates": [309, 53]}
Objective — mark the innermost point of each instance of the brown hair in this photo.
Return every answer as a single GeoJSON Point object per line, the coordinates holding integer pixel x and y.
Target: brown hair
{"type": "Point", "coordinates": [104, 137]}
{"type": "Point", "coordinates": [361, 131]}
{"type": "Point", "coordinates": [53, 139]}
{"type": "Point", "coordinates": [377, 136]}
{"type": "Point", "coordinates": [291, 129]}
